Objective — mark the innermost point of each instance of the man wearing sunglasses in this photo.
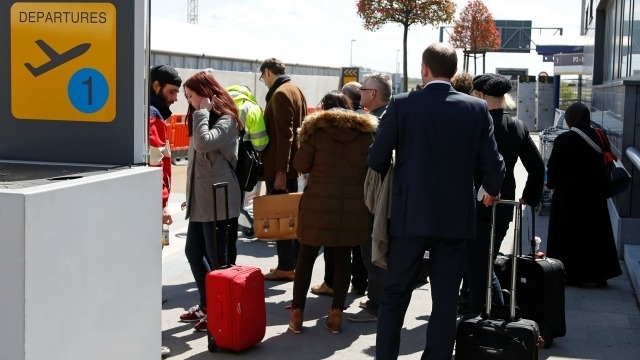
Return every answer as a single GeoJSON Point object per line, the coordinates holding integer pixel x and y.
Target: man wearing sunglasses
{"type": "Point", "coordinates": [375, 93]}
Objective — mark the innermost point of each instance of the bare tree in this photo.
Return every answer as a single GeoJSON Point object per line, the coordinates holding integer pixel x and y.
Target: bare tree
{"type": "Point", "coordinates": [376, 13]}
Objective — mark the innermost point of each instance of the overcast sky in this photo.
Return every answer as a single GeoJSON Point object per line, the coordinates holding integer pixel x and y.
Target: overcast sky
{"type": "Point", "coordinates": [319, 32]}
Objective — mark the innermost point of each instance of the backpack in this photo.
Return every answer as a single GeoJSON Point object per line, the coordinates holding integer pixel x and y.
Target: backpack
{"type": "Point", "coordinates": [249, 167]}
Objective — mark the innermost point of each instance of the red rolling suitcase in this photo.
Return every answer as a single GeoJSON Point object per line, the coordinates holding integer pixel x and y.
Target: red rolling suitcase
{"type": "Point", "coordinates": [540, 283]}
{"type": "Point", "coordinates": [495, 335]}
{"type": "Point", "coordinates": [236, 311]}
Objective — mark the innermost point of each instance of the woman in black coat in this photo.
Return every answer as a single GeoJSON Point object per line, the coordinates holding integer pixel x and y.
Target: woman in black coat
{"type": "Point", "coordinates": [514, 142]}
{"type": "Point", "coordinates": [580, 233]}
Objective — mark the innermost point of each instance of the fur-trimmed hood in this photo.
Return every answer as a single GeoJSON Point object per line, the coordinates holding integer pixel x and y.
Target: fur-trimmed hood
{"type": "Point", "coordinates": [335, 121]}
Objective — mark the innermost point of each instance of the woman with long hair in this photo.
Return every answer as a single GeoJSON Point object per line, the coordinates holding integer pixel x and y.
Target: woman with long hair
{"type": "Point", "coordinates": [213, 127]}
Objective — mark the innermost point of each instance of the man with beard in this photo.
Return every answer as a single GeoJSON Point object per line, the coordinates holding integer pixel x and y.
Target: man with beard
{"type": "Point", "coordinates": [164, 86]}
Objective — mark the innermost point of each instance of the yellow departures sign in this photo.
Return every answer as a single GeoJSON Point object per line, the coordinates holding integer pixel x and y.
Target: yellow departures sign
{"type": "Point", "coordinates": [63, 61]}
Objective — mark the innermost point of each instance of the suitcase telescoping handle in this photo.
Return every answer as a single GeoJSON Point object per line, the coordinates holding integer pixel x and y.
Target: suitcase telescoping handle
{"type": "Point", "coordinates": [532, 241]}
{"type": "Point", "coordinates": [516, 246]}
{"type": "Point", "coordinates": [225, 187]}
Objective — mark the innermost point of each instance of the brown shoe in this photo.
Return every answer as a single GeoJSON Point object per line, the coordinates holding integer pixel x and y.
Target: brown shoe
{"type": "Point", "coordinates": [322, 289]}
{"type": "Point", "coordinates": [280, 275]}
{"type": "Point", "coordinates": [295, 325]}
{"type": "Point", "coordinates": [334, 320]}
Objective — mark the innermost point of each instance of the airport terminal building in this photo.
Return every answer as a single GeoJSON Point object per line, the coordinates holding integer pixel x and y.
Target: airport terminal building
{"type": "Point", "coordinates": [612, 88]}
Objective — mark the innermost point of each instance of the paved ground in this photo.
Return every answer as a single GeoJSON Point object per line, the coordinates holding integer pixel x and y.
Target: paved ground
{"type": "Point", "coordinates": [601, 323]}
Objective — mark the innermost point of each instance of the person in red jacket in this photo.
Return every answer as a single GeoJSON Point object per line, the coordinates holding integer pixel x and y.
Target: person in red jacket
{"type": "Point", "coordinates": [164, 86]}
{"type": "Point", "coordinates": [164, 83]}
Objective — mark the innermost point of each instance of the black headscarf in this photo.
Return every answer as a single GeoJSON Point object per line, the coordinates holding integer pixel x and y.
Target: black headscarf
{"type": "Point", "coordinates": [578, 115]}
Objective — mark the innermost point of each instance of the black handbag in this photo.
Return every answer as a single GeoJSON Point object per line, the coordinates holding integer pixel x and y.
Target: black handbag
{"type": "Point", "coordinates": [617, 176]}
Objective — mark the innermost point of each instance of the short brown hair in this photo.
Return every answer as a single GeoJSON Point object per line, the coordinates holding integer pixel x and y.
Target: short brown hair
{"type": "Point", "coordinates": [441, 59]}
{"type": "Point", "coordinates": [462, 82]}
{"type": "Point", "coordinates": [274, 65]}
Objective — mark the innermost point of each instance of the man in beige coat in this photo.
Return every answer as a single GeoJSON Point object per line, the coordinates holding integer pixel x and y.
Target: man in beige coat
{"type": "Point", "coordinates": [285, 110]}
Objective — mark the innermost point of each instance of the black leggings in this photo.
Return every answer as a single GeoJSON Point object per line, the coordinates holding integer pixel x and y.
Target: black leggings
{"type": "Point", "coordinates": [304, 269]}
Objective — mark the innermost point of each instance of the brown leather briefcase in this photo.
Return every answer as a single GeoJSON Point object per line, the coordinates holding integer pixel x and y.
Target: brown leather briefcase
{"type": "Point", "coordinates": [275, 216]}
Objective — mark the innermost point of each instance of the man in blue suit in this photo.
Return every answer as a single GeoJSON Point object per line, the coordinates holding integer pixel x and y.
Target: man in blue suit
{"type": "Point", "coordinates": [440, 137]}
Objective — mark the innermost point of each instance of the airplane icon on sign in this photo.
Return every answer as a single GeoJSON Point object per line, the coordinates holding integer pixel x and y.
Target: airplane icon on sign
{"type": "Point", "coordinates": [57, 59]}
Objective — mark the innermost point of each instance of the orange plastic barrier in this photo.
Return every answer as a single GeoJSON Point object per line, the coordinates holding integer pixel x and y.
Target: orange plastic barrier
{"type": "Point", "coordinates": [178, 133]}
{"type": "Point", "coordinates": [178, 139]}
{"type": "Point", "coordinates": [311, 110]}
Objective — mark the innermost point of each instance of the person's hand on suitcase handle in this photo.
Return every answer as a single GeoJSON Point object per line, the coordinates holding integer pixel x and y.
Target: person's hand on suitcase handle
{"type": "Point", "coordinates": [487, 199]}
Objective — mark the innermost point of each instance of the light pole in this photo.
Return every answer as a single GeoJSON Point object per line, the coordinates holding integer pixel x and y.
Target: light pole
{"type": "Point", "coordinates": [351, 53]}
{"type": "Point", "coordinates": [398, 77]}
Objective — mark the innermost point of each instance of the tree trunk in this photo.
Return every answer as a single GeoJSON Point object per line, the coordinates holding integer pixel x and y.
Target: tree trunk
{"type": "Point", "coordinates": [405, 82]}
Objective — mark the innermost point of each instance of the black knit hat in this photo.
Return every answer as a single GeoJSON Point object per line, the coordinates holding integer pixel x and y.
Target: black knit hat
{"type": "Point", "coordinates": [491, 84]}
{"type": "Point", "coordinates": [165, 74]}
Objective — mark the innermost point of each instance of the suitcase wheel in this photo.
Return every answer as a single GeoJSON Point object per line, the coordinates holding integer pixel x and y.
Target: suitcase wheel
{"type": "Point", "coordinates": [211, 343]}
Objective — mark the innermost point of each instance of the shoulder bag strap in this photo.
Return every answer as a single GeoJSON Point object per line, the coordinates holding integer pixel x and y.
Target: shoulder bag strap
{"type": "Point", "coordinates": [609, 156]}
{"type": "Point", "coordinates": [587, 139]}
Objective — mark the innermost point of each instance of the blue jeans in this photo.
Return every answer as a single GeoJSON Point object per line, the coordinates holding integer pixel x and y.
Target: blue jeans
{"type": "Point", "coordinates": [447, 261]}
{"type": "Point", "coordinates": [288, 250]}
{"type": "Point", "coordinates": [204, 254]}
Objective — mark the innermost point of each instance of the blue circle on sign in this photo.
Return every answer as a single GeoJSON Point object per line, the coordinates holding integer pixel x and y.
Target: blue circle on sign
{"type": "Point", "coordinates": [88, 90]}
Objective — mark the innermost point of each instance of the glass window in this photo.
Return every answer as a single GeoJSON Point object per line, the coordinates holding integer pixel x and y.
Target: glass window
{"type": "Point", "coordinates": [635, 41]}
{"type": "Point", "coordinates": [609, 42]}
{"type": "Point", "coordinates": [625, 67]}
{"type": "Point", "coordinates": [177, 61]}
{"type": "Point", "coordinates": [618, 38]}
{"type": "Point", "coordinates": [160, 59]}
{"type": "Point", "coordinates": [190, 62]}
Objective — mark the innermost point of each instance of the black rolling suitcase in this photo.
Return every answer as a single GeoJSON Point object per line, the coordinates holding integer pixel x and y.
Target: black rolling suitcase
{"type": "Point", "coordinates": [540, 289]}
{"type": "Point", "coordinates": [494, 336]}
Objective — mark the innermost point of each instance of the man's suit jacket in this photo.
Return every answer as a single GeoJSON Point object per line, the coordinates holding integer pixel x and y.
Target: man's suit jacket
{"type": "Point", "coordinates": [440, 137]}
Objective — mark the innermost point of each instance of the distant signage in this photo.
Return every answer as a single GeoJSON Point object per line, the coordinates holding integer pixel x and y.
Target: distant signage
{"type": "Point", "coordinates": [568, 64]}
{"type": "Point", "coordinates": [348, 75]}
{"type": "Point", "coordinates": [63, 61]}
{"type": "Point", "coordinates": [568, 59]}
{"type": "Point", "coordinates": [515, 35]}
{"type": "Point", "coordinates": [512, 73]}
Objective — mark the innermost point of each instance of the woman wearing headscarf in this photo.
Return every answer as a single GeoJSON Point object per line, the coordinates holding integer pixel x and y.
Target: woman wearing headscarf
{"type": "Point", "coordinates": [333, 150]}
{"type": "Point", "coordinates": [580, 233]}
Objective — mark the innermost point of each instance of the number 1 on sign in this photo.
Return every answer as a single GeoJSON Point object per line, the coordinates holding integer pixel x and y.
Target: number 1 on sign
{"type": "Point", "coordinates": [88, 90]}
{"type": "Point", "coordinates": [88, 82]}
